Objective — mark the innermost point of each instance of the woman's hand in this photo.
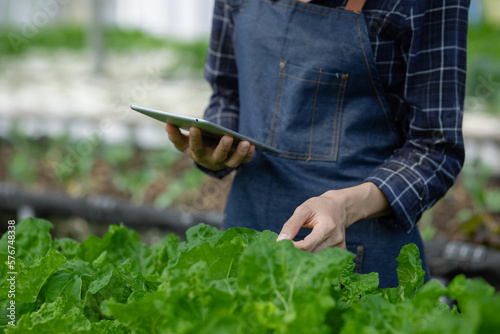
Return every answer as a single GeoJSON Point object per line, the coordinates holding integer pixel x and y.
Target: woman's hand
{"type": "Point", "coordinates": [211, 156]}
{"type": "Point", "coordinates": [331, 213]}
{"type": "Point", "coordinates": [327, 217]}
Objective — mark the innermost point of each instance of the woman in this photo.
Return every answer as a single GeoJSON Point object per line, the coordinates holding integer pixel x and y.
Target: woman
{"type": "Point", "coordinates": [365, 103]}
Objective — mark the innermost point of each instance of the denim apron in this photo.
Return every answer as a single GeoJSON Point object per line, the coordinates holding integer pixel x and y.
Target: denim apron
{"type": "Point", "coordinates": [308, 86]}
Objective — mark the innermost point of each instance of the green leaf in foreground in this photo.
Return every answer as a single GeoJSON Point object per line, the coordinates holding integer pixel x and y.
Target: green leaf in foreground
{"type": "Point", "coordinates": [32, 278]}
{"type": "Point", "coordinates": [33, 240]}
{"type": "Point", "coordinates": [410, 272]}
{"type": "Point", "coordinates": [52, 318]}
{"type": "Point", "coordinates": [277, 280]}
{"type": "Point", "coordinates": [120, 243]}
{"type": "Point", "coordinates": [410, 275]}
{"type": "Point", "coordinates": [237, 281]}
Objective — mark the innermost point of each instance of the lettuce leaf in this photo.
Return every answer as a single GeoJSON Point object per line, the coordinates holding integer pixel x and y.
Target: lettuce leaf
{"type": "Point", "coordinates": [33, 240]}
{"type": "Point", "coordinates": [52, 318]}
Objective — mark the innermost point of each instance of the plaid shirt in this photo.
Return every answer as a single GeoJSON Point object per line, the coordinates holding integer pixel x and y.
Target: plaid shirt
{"type": "Point", "coordinates": [420, 53]}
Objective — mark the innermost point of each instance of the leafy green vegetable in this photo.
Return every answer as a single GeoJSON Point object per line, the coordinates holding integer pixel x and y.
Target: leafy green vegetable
{"type": "Point", "coordinates": [410, 275]}
{"type": "Point", "coordinates": [33, 240]}
{"type": "Point", "coordinates": [32, 278]}
{"type": "Point", "coordinates": [237, 281]}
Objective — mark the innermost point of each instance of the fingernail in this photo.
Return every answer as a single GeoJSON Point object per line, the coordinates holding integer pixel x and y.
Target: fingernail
{"type": "Point", "coordinates": [192, 132]}
{"type": "Point", "coordinates": [282, 237]}
{"type": "Point", "coordinates": [244, 147]}
{"type": "Point", "coordinates": [226, 142]}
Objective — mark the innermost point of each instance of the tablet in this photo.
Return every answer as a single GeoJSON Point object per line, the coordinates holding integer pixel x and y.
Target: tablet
{"type": "Point", "coordinates": [209, 129]}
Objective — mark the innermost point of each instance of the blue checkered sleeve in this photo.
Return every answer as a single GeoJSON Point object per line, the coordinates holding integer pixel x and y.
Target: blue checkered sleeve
{"type": "Point", "coordinates": [426, 166]}
{"type": "Point", "coordinates": [220, 70]}
{"type": "Point", "coordinates": [222, 75]}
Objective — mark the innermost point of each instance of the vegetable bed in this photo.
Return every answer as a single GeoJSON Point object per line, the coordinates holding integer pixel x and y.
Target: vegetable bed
{"type": "Point", "coordinates": [158, 177]}
{"type": "Point", "coordinates": [237, 281]}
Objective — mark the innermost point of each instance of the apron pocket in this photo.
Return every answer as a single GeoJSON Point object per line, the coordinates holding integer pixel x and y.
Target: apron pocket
{"type": "Point", "coordinates": [308, 112]}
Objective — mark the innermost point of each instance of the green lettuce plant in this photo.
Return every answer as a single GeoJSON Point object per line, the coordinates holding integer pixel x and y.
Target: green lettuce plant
{"type": "Point", "coordinates": [237, 281]}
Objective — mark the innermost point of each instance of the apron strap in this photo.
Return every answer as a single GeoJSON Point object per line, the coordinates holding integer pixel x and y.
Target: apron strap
{"type": "Point", "coordinates": [355, 5]}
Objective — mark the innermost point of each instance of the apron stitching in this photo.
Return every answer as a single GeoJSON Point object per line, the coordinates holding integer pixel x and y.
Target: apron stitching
{"type": "Point", "coordinates": [240, 14]}
{"type": "Point", "coordinates": [375, 87]}
{"type": "Point", "coordinates": [340, 119]}
{"type": "Point", "coordinates": [314, 12]}
{"type": "Point", "coordinates": [280, 78]}
{"type": "Point", "coordinates": [315, 81]}
{"type": "Point", "coordinates": [312, 118]}
{"type": "Point", "coordinates": [335, 122]}
{"type": "Point", "coordinates": [288, 156]}
{"type": "Point", "coordinates": [276, 127]}
{"type": "Point", "coordinates": [312, 154]}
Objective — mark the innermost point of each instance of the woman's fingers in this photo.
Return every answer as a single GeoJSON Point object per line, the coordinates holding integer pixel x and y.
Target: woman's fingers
{"type": "Point", "coordinates": [239, 154]}
{"type": "Point", "coordinates": [196, 142]}
{"type": "Point", "coordinates": [250, 154]}
{"type": "Point", "coordinates": [325, 216]}
{"type": "Point", "coordinates": [321, 238]}
{"type": "Point", "coordinates": [328, 244]}
{"type": "Point", "coordinates": [292, 226]}
{"type": "Point", "coordinates": [312, 240]}
{"type": "Point", "coordinates": [222, 150]}
{"type": "Point", "coordinates": [207, 153]}
{"type": "Point", "coordinates": [180, 141]}
{"type": "Point", "coordinates": [242, 154]}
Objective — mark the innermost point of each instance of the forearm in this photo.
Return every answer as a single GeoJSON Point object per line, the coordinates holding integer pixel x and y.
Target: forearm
{"type": "Point", "coordinates": [362, 202]}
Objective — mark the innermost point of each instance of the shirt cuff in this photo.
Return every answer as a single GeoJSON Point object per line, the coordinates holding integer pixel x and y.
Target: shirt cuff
{"type": "Point", "coordinates": [404, 190]}
{"type": "Point", "coordinates": [218, 174]}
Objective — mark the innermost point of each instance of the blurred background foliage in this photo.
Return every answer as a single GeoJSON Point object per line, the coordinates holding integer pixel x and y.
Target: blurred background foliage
{"type": "Point", "coordinates": [483, 72]}
{"type": "Point", "coordinates": [126, 170]}
{"type": "Point", "coordinates": [483, 78]}
{"type": "Point", "coordinates": [159, 177]}
{"type": "Point", "coordinates": [189, 54]}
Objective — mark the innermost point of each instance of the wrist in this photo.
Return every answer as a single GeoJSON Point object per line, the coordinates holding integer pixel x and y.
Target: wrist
{"type": "Point", "coordinates": [362, 202]}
